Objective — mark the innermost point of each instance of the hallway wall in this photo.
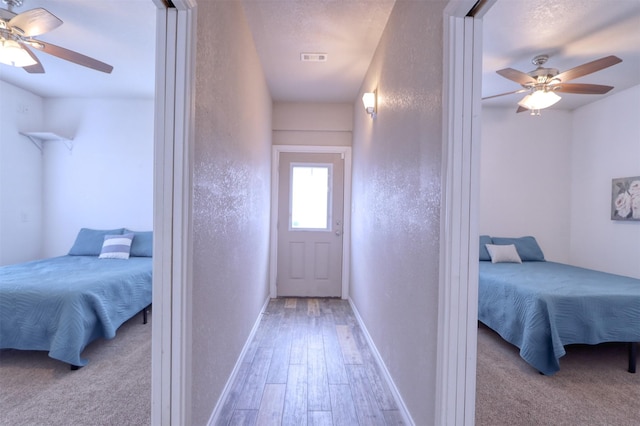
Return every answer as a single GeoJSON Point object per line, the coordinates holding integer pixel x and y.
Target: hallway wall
{"type": "Point", "coordinates": [396, 201]}
{"type": "Point", "coordinates": [231, 184]}
{"type": "Point", "coordinates": [320, 124]}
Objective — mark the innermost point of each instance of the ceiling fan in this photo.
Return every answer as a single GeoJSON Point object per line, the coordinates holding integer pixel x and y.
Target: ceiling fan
{"type": "Point", "coordinates": [17, 32]}
{"type": "Point", "coordinates": [543, 84]}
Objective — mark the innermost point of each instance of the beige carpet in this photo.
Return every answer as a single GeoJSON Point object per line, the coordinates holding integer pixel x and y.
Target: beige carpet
{"type": "Point", "coordinates": [113, 389]}
{"type": "Point", "coordinates": [592, 387]}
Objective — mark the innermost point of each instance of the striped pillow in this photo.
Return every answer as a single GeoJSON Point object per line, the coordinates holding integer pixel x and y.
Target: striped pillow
{"type": "Point", "coordinates": [116, 246]}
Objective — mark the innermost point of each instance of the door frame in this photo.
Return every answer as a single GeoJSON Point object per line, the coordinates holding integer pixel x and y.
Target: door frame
{"type": "Point", "coordinates": [345, 151]}
{"type": "Point", "coordinates": [458, 289]}
{"type": "Point", "coordinates": [173, 162]}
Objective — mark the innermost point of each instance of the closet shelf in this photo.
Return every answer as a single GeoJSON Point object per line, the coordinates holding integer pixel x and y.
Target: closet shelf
{"type": "Point", "coordinates": [38, 138]}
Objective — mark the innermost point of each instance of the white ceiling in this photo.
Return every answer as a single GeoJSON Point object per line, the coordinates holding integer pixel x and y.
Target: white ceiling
{"type": "Point", "coordinates": [347, 31]}
{"type": "Point", "coordinates": [122, 33]}
{"type": "Point", "coordinates": [571, 32]}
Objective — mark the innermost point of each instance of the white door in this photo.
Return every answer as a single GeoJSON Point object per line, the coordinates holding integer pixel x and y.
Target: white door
{"type": "Point", "coordinates": [310, 224]}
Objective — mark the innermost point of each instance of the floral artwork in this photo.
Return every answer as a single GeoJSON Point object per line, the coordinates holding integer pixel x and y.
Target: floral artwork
{"type": "Point", "coordinates": [625, 198]}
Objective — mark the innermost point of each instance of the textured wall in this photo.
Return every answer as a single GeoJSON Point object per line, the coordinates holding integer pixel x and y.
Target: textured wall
{"type": "Point", "coordinates": [396, 201]}
{"type": "Point", "coordinates": [231, 177]}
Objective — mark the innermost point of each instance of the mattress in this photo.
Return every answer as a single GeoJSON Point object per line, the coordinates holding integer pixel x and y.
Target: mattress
{"type": "Point", "coordinates": [542, 306]}
{"type": "Point", "coordinates": [62, 304]}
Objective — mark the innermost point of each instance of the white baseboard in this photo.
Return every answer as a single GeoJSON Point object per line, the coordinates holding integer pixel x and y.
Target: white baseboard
{"type": "Point", "coordinates": [404, 412]}
{"type": "Point", "coordinates": [234, 373]}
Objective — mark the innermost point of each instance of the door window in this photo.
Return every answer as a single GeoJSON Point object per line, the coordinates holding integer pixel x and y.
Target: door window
{"type": "Point", "coordinates": [310, 197]}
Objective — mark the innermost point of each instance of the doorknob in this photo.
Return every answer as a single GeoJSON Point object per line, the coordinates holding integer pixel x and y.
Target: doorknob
{"type": "Point", "coordinates": [338, 233]}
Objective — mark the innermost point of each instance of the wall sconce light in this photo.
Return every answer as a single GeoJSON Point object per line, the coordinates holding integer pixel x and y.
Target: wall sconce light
{"type": "Point", "coordinates": [370, 101]}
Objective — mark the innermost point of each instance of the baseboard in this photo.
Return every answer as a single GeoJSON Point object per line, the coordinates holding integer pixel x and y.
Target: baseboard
{"type": "Point", "coordinates": [406, 417]}
{"type": "Point", "coordinates": [234, 373]}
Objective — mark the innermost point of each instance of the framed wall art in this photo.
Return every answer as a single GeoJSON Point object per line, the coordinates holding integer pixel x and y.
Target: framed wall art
{"type": "Point", "coordinates": [625, 198]}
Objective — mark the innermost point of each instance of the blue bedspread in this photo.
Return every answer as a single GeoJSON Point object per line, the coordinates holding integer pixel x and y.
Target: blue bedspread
{"type": "Point", "coordinates": [62, 304]}
{"type": "Point", "coordinates": [542, 306]}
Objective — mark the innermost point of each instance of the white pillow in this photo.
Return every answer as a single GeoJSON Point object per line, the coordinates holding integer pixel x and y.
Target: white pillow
{"type": "Point", "coordinates": [116, 246]}
{"type": "Point", "coordinates": [503, 253]}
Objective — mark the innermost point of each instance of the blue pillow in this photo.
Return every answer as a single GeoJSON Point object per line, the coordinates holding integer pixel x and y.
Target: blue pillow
{"type": "Point", "coordinates": [484, 253]}
{"type": "Point", "coordinates": [142, 245]}
{"type": "Point", "coordinates": [89, 241]}
{"type": "Point", "coordinates": [116, 246]}
{"type": "Point", "coordinates": [527, 247]}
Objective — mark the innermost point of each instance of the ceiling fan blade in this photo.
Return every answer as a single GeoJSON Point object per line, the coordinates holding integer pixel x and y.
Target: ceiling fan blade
{"type": "Point", "coordinates": [36, 68]}
{"type": "Point", "coordinates": [71, 56]}
{"type": "Point", "coordinates": [521, 109]}
{"type": "Point", "coordinates": [588, 68]}
{"type": "Point", "coordinates": [583, 89]}
{"type": "Point", "coordinates": [504, 94]}
{"type": "Point", "coordinates": [517, 76]}
{"type": "Point", "coordinates": [34, 22]}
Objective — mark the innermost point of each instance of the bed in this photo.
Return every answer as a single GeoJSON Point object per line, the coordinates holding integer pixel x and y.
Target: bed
{"type": "Point", "coordinates": [541, 306]}
{"type": "Point", "coordinates": [62, 304]}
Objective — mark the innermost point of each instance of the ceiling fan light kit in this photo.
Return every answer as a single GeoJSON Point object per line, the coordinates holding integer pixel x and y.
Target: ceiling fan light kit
{"type": "Point", "coordinates": [16, 40]}
{"type": "Point", "coordinates": [12, 54]}
{"type": "Point", "coordinates": [543, 83]}
{"type": "Point", "coordinates": [539, 99]}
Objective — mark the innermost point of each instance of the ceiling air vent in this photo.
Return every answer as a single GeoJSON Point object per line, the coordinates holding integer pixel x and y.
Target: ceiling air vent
{"type": "Point", "coordinates": [313, 57]}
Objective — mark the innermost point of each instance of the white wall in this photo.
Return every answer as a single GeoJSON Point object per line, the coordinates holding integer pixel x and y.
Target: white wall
{"type": "Point", "coordinates": [231, 204]}
{"type": "Point", "coordinates": [525, 177]}
{"type": "Point", "coordinates": [606, 145]}
{"type": "Point", "coordinates": [106, 180]}
{"type": "Point", "coordinates": [320, 124]}
{"type": "Point", "coordinates": [396, 201]}
{"type": "Point", "coordinates": [20, 177]}
{"type": "Point", "coordinates": [550, 177]}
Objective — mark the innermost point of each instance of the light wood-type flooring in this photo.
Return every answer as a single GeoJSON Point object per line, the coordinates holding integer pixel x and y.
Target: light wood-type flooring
{"type": "Point", "coordinates": [309, 364]}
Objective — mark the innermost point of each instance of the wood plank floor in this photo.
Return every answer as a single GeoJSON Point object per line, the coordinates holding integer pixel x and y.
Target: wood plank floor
{"type": "Point", "coordinates": [309, 364]}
